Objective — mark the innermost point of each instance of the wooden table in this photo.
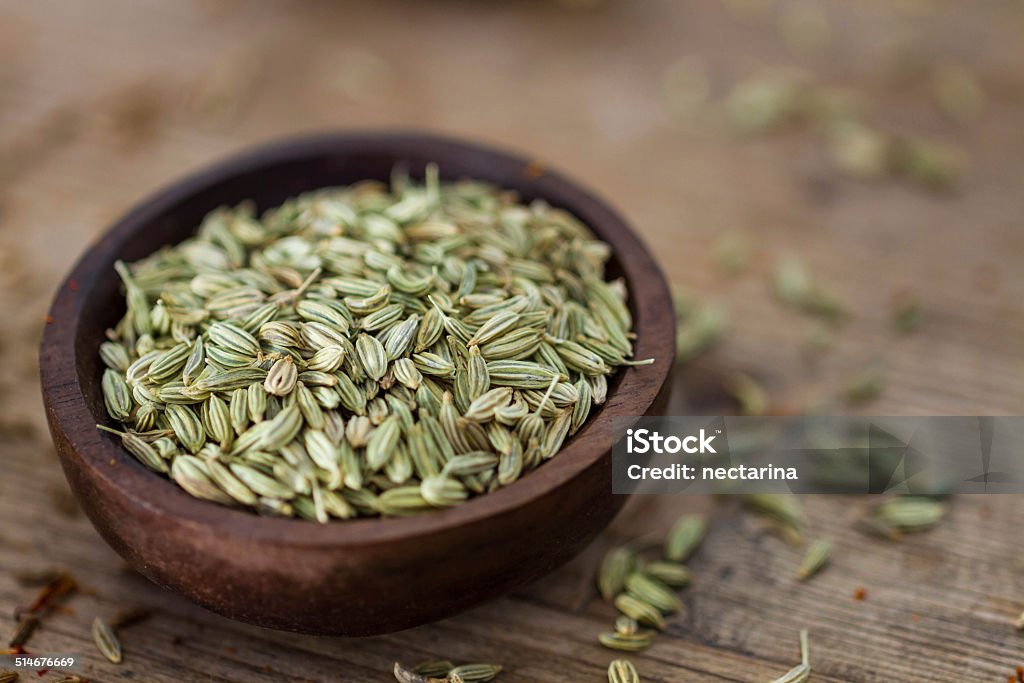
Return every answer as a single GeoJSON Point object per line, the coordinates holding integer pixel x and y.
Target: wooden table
{"type": "Point", "coordinates": [103, 101]}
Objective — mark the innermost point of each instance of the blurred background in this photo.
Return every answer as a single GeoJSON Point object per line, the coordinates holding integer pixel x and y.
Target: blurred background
{"type": "Point", "coordinates": [833, 187]}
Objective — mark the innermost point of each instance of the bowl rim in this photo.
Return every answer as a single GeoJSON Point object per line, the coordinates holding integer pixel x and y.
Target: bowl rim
{"type": "Point", "coordinates": [66, 405]}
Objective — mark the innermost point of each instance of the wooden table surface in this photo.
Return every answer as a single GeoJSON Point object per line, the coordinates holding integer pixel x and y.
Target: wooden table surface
{"type": "Point", "coordinates": [103, 101]}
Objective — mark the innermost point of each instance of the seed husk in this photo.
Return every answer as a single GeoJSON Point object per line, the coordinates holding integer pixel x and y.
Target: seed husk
{"type": "Point", "coordinates": [865, 386]}
{"type": "Point", "coordinates": [931, 164]}
{"type": "Point", "coordinates": [115, 356]}
{"type": "Point", "coordinates": [859, 150]}
{"type": "Point", "coordinates": [382, 442]}
{"type": "Point", "coordinates": [143, 451]}
{"type": "Point", "coordinates": [483, 407]}
{"type": "Point", "coordinates": [402, 501]}
{"type": "Point", "coordinates": [907, 312]}
{"type": "Point", "coordinates": [116, 396]}
{"type": "Point", "coordinates": [669, 573]}
{"type": "Point", "coordinates": [765, 101]}
{"type": "Point", "coordinates": [222, 476]}
{"type": "Point", "coordinates": [281, 377]}
{"type": "Point", "coordinates": [795, 287]}
{"type": "Point", "coordinates": [622, 671]}
{"type": "Point", "coordinates": [190, 474]}
{"type": "Point", "coordinates": [435, 668]}
{"type": "Point", "coordinates": [403, 675]}
{"type": "Point", "coordinates": [908, 514]}
{"type": "Point", "coordinates": [187, 427]}
{"type": "Point", "coordinates": [443, 491]}
{"type": "Point", "coordinates": [632, 642]}
{"type": "Point", "coordinates": [802, 671]}
{"type": "Point", "coordinates": [750, 395]}
{"type": "Point", "coordinates": [618, 562]}
{"type": "Point", "coordinates": [684, 538]}
{"type": "Point", "coordinates": [521, 374]}
{"type": "Point", "coordinates": [626, 626]}
{"type": "Point", "coordinates": [782, 509]}
{"type": "Point", "coordinates": [474, 673]}
{"type": "Point", "coordinates": [106, 640]}
{"type": "Point", "coordinates": [648, 589]}
{"type": "Point", "coordinates": [698, 332]}
{"type": "Point", "coordinates": [815, 559]}
{"type": "Point", "coordinates": [643, 612]}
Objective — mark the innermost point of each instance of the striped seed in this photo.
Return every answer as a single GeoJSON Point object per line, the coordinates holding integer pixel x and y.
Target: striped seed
{"type": "Point", "coordinates": [815, 559]}
{"type": "Point", "coordinates": [106, 641]}
{"type": "Point", "coordinates": [684, 538]}
{"type": "Point", "coordinates": [643, 612]}
{"type": "Point", "coordinates": [622, 671]}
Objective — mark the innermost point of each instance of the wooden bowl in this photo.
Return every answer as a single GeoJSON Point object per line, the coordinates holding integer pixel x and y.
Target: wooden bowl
{"type": "Point", "coordinates": [355, 577]}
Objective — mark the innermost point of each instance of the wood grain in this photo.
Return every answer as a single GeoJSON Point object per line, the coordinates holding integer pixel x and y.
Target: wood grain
{"type": "Point", "coordinates": [583, 91]}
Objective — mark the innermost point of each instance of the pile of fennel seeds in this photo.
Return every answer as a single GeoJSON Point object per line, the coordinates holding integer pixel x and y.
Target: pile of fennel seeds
{"type": "Point", "coordinates": [365, 350]}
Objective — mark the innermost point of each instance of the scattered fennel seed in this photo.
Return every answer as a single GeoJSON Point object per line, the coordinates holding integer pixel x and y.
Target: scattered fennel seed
{"type": "Point", "coordinates": [865, 386]}
{"type": "Point", "coordinates": [815, 559]}
{"type": "Point", "coordinates": [700, 331]}
{"type": "Point", "coordinates": [751, 397]}
{"type": "Point", "coordinates": [802, 671]}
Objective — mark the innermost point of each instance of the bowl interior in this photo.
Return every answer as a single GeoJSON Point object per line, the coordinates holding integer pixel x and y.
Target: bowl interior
{"type": "Point", "coordinates": [270, 175]}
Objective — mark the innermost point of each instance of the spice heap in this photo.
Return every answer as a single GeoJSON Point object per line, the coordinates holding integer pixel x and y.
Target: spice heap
{"type": "Point", "coordinates": [365, 350]}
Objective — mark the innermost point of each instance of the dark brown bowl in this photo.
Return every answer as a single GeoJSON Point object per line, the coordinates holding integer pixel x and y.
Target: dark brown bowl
{"type": "Point", "coordinates": [355, 577]}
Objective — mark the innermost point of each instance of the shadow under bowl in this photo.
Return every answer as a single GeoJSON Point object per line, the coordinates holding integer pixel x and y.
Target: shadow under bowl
{"type": "Point", "coordinates": [353, 577]}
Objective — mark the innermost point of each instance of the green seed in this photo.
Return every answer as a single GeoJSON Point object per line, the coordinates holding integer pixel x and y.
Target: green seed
{"type": "Point", "coordinates": [116, 396]}
{"type": "Point", "coordinates": [106, 641]}
{"type": "Point", "coordinates": [187, 426]}
{"type": "Point", "coordinates": [615, 567]}
{"type": "Point", "coordinates": [648, 589]}
{"type": "Point", "coordinates": [622, 671]}
{"type": "Point", "coordinates": [802, 671]}
{"type": "Point", "coordinates": [684, 538]}
{"type": "Point", "coordinates": [434, 668]}
{"type": "Point", "coordinates": [633, 642]}
{"type": "Point", "coordinates": [865, 386]}
{"type": "Point", "coordinates": [783, 508]}
{"type": "Point", "coordinates": [474, 673]}
{"type": "Point", "coordinates": [669, 573]}
{"type": "Point", "coordinates": [382, 443]}
{"type": "Point", "coordinates": [643, 612]}
{"type": "Point", "coordinates": [815, 560]}
{"type": "Point", "coordinates": [626, 626]}
{"type": "Point", "coordinates": [910, 514]}
{"type": "Point", "coordinates": [698, 332]}
{"type": "Point", "coordinates": [442, 491]}
{"type": "Point", "coordinates": [190, 473]}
